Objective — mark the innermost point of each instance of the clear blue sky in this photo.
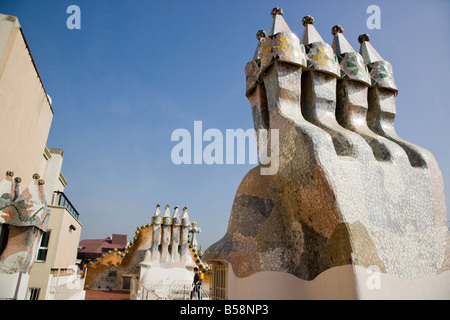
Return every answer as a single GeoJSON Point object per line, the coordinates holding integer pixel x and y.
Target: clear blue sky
{"type": "Point", "coordinates": [139, 69]}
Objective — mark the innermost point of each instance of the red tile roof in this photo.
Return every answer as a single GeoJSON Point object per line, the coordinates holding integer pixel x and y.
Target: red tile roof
{"type": "Point", "coordinates": [94, 248]}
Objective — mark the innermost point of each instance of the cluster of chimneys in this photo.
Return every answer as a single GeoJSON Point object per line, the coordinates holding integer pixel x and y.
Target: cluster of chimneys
{"type": "Point", "coordinates": [170, 237]}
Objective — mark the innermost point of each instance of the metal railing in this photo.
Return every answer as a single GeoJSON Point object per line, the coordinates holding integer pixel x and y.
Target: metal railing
{"type": "Point", "coordinates": [66, 284]}
{"type": "Point", "coordinates": [176, 290]}
{"type": "Point", "coordinates": [60, 199]}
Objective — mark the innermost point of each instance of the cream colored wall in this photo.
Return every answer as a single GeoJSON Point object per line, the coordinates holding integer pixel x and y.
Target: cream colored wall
{"type": "Point", "coordinates": [9, 26]}
{"type": "Point", "coordinates": [339, 283]}
{"type": "Point", "coordinates": [44, 163]}
{"type": "Point", "coordinates": [39, 277]}
{"type": "Point", "coordinates": [334, 284]}
{"type": "Point", "coordinates": [25, 109]}
{"type": "Point", "coordinates": [64, 241]}
{"type": "Point", "coordinates": [62, 251]}
{"type": "Point", "coordinates": [53, 171]}
{"type": "Point", "coordinates": [388, 287]}
{"type": "Point", "coordinates": [25, 112]}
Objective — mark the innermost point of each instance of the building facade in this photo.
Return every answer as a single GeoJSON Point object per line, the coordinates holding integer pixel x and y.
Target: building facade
{"type": "Point", "coordinates": [39, 227]}
{"type": "Point", "coordinates": [56, 273]}
{"type": "Point", "coordinates": [90, 249]}
{"type": "Point", "coordinates": [27, 114]}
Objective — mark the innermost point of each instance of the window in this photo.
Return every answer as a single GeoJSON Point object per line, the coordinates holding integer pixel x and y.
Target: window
{"type": "Point", "coordinates": [43, 247]}
{"type": "Point", "coordinates": [126, 282]}
{"type": "Point", "coordinates": [4, 231]}
{"type": "Point", "coordinates": [34, 293]}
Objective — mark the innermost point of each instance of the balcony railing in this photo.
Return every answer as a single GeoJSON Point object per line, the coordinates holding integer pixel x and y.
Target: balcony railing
{"type": "Point", "coordinates": [60, 199]}
{"type": "Point", "coordinates": [157, 290]}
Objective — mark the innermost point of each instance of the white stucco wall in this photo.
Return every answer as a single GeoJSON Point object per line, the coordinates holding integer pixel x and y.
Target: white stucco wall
{"type": "Point", "coordinates": [339, 283]}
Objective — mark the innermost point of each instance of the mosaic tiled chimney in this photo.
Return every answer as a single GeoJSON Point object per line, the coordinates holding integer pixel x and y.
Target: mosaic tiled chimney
{"type": "Point", "coordinates": [170, 237]}
{"type": "Point", "coordinates": [23, 219]}
{"type": "Point", "coordinates": [161, 251]}
{"type": "Point", "coordinates": [348, 190]}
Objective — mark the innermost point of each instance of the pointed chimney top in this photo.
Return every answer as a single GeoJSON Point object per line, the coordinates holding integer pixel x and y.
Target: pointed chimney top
{"type": "Point", "coordinates": [185, 213]}
{"type": "Point", "coordinates": [340, 44]}
{"type": "Point", "coordinates": [176, 214]}
{"type": "Point", "coordinates": [278, 23]}
{"type": "Point", "coordinates": [310, 34]}
{"type": "Point", "coordinates": [167, 212]}
{"type": "Point", "coordinates": [367, 51]}
{"type": "Point", "coordinates": [158, 210]}
{"type": "Point", "coordinates": [380, 70]}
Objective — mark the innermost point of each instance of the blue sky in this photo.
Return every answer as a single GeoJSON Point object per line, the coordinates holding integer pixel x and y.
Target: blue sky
{"type": "Point", "coordinates": [139, 69]}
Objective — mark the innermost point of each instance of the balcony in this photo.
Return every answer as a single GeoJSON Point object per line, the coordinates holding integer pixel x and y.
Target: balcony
{"type": "Point", "coordinates": [60, 199]}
